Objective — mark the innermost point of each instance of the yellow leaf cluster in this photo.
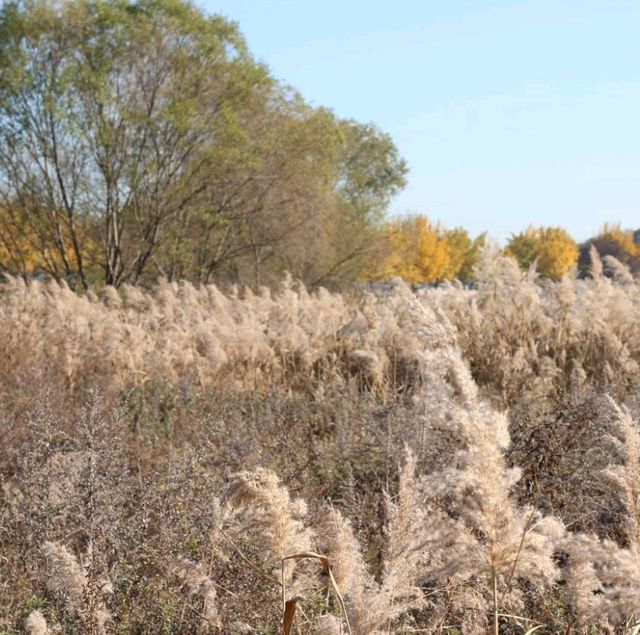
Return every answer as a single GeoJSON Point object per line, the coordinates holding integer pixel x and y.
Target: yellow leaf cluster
{"type": "Point", "coordinates": [24, 250]}
{"type": "Point", "coordinates": [626, 238]}
{"type": "Point", "coordinates": [552, 247]}
{"type": "Point", "coordinates": [422, 252]}
{"type": "Point", "coordinates": [19, 249]}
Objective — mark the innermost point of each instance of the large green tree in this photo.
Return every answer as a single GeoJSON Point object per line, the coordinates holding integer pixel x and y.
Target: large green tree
{"type": "Point", "coordinates": [112, 115]}
{"type": "Point", "coordinates": [140, 138]}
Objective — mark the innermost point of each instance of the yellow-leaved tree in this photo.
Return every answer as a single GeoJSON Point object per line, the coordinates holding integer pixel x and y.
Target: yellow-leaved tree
{"type": "Point", "coordinates": [19, 253]}
{"type": "Point", "coordinates": [626, 238]}
{"type": "Point", "coordinates": [29, 245]}
{"type": "Point", "coordinates": [552, 247]}
{"type": "Point", "coordinates": [422, 252]}
{"type": "Point", "coordinates": [417, 251]}
{"type": "Point", "coordinates": [463, 254]}
{"type": "Point", "coordinates": [431, 260]}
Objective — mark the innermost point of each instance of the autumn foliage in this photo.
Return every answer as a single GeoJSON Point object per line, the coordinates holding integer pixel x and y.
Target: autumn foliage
{"type": "Point", "coordinates": [551, 248]}
{"type": "Point", "coordinates": [142, 139]}
{"type": "Point", "coordinates": [420, 251]}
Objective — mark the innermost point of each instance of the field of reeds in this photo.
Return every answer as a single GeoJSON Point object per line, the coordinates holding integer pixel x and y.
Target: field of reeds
{"type": "Point", "coordinates": [200, 460]}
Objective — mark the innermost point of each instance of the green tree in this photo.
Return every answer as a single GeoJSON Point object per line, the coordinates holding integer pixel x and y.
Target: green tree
{"type": "Point", "coordinates": [139, 137]}
{"type": "Point", "coordinates": [113, 114]}
{"type": "Point", "coordinates": [371, 171]}
{"type": "Point", "coordinates": [524, 247]}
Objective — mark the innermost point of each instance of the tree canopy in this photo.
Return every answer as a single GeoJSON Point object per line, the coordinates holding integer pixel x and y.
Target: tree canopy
{"type": "Point", "coordinates": [423, 252]}
{"type": "Point", "coordinates": [551, 248]}
{"type": "Point", "coordinates": [140, 138]}
{"type": "Point", "coordinates": [613, 240]}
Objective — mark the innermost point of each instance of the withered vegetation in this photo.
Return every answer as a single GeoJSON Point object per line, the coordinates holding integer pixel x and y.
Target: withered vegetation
{"type": "Point", "coordinates": [198, 460]}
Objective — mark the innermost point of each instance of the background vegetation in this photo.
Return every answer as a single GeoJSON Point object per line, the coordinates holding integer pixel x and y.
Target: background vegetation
{"type": "Point", "coordinates": [141, 140]}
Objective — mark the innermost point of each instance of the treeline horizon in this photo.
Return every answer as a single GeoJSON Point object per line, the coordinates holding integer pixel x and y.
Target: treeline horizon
{"type": "Point", "coordinates": [140, 139]}
{"type": "Point", "coordinates": [422, 252]}
{"type": "Point", "coordinates": [413, 248]}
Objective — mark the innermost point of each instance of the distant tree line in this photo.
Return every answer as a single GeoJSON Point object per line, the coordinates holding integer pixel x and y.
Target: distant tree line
{"type": "Point", "coordinates": [424, 252]}
{"type": "Point", "coordinates": [622, 244]}
{"type": "Point", "coordinates": [140, 139]}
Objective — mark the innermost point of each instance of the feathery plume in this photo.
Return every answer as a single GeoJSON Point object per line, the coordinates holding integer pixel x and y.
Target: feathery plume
{"type": "Point", "coordinates": [36, 624]}
{"type": "Point", "coordinates": [270, 511]}
{"type": "Point", "coordinates": [626, 476]}
{"type": "Point", "coordinates": [199, 584]}
{"type": "Point", "coordinates": [80, 592]}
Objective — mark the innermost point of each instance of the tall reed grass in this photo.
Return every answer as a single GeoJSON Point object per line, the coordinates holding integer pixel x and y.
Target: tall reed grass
{"type": "Point", "coordinates": [451, 460]}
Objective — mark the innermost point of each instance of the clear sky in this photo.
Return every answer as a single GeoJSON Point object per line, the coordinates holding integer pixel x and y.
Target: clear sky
{"type": "Point", "coordinates": [508, 112]}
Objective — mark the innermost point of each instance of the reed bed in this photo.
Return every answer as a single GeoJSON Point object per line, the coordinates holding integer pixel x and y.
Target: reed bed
{"type": "Point", "coordinates": [389, 460]}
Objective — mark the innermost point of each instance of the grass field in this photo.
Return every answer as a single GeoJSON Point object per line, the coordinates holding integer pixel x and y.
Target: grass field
{"type": "Point", "coordinates": [447, 461]}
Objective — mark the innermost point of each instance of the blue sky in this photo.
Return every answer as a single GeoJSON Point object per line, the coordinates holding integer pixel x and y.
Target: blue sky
{"type": "Point", "coordinates": [508, 113]}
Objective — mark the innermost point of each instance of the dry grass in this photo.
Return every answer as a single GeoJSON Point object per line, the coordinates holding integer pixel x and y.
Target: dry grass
{"type": "Point", "coordinates": [188, 460]}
